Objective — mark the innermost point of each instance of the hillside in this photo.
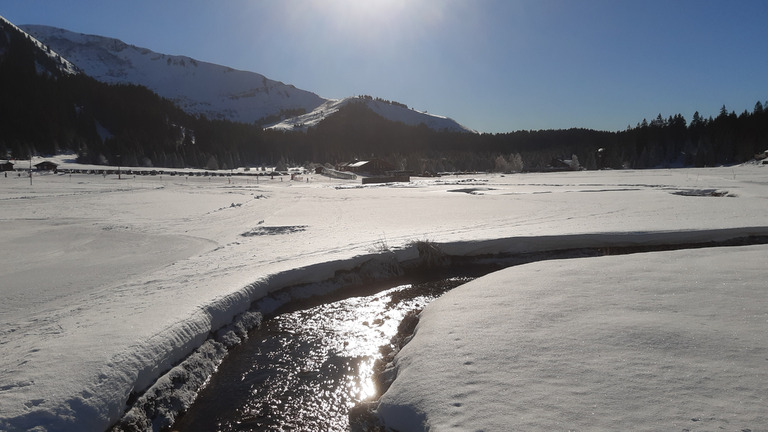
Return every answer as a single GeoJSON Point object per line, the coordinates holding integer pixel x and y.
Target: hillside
{"type": "Point", "coordinates": [46, 61]}
{"type": "Point", "coordinates": [198, 87]}
{"type": "Point", "coordinates": [389, 110]}
{"type": "Point", "coordinates": [218, 92]}
{"type": "Point", "coordinates": [49, 107]}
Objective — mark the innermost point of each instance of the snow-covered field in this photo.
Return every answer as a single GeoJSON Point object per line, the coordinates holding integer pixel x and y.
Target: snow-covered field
{"type": "Point", "coordinates": [107, 283]}
{"type": "Point", "coordinates": [665, 341]}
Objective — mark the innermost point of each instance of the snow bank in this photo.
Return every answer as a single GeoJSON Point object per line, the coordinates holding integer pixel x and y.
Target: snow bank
{"type": "Point", "coordinates": [654, 341]}
{"type": "Point", "coordinates": [107, 284]}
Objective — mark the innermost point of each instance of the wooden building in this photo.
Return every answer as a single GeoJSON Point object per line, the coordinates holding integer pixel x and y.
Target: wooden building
{"type": "Point", "coordinates": [369, 167]}
{"type": "Point", "coordinates": [46, 166]}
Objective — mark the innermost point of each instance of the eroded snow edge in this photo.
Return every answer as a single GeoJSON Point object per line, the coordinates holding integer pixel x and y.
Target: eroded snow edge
{"type": "Point", "coordinates": [174, 391]}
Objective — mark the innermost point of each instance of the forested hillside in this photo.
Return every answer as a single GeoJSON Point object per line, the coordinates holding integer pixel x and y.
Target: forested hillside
{"type": "Point", "coordinates": [43, 111]}
{"type": "Point", "coordinates": [356, 132]}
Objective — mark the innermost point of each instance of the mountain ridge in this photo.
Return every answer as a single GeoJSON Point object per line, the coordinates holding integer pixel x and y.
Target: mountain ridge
{"type": "Point", "coordinates": [47, 61]}
{"type": "Point", "coordinates": [389, 110]}
{"type": "Point", "coordinates": [198, 87]}
{"type": "Point", "coordinates": [215, 91]}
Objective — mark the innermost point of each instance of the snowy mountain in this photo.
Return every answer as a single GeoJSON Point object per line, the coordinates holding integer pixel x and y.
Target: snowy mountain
{"type": "Point", "coordinates": [388, 110]}
{"type": "Point", "coordinates": [215, 91]}
{"type": "Point", "coordinates": [47, 61]}
{"type": "Point", "coordinates": [218, 92]}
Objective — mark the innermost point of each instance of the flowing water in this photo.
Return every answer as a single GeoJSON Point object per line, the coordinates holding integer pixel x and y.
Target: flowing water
{"type": "Point", "coordinates": [303, 370]}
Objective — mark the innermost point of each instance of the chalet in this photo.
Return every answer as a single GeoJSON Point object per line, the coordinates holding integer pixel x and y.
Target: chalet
{"type": "Point", "coordinates": [370, 167]}
{"type": "Point", "coordinates": [46, 166]}
{"type": "Point", "coordinates": [564, 164]}
{"type": "Point", "coordinates": [6, 165]}
{"type": "Point", "coordinates": [559, 165]}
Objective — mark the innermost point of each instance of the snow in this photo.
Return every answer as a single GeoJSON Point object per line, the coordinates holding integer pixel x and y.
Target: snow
{"type": "Point", "coordinates": [218, 92]}
{"type": "Point", "coordinates": [389, 111]}
{"type": "Point", "coordinates": [107, 284]}
{"type": "Point", "coordinates": [63, 65]}
{"type": "Point", "coordinates": [654, 341]}
{"type": "Point", "coordinates": [198, 87]}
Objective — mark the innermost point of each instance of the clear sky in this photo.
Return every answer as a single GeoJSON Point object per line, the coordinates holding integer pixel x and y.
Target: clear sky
{"type": "Point", "coordinates": [492, 65]}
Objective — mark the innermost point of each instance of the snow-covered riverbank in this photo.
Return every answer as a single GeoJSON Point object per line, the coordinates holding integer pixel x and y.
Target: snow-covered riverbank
{"type": "Point", "coordinates": [644, 342]}
{"type": "Point", "coordinates": [107, 283]}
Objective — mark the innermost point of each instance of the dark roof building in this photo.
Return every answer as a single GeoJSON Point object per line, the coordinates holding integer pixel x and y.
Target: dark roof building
{"type": "Point", "coordinates": [46, 166]}
{"type": "Point", "coordinates": [6, 165]}
{"type": "Point", "coordinates": [372, 167]}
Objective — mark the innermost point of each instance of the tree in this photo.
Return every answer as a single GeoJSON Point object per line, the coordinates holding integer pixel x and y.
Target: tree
{"type": "Point", "coordinates": [212, 163]}
{"type": "Point", "coordinates": [575, 163]}
{"type": "Point", "coordinates": [516, 162]}
{"type": "Point", "coordinates": [281, 165]}
{"type": "Point", "coordinates": [723, 112]}
{"type": "Point", "coordinates": [697, 121]}
{"type": "Point", "coordinates": [659, 122]}
{"type": "Point", "coordinates": [501, 165]}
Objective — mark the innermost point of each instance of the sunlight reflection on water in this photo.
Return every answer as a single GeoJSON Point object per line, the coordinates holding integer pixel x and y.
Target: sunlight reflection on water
{"type": "Point", "coordinates": [304, 370]}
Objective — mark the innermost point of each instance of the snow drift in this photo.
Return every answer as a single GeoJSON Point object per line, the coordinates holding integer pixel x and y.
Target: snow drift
{"type": "Point", "coordinates": [655, 341]}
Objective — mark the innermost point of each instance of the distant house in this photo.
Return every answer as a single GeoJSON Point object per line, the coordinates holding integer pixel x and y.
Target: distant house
{"type": "Point", "coordinates": [370, 167]}
{"type": "Point", "coordinates": [559, 165]}
{"type": "Point", "coordinates": [6, 165]}
{"type": "Point", "coordinates": [46, 166]}
{"type": "Point", "coordinates": [564, 164]}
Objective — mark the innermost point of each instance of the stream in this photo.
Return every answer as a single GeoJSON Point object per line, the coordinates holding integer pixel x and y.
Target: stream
{"type": "Point", "coordinates": [306, 366]}
{"type": "Point", "coordinates": [303, 369]}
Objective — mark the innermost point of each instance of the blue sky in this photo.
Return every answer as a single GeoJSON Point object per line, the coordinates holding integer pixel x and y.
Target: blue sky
{"type": "Point", "coordinates": [494, 66]}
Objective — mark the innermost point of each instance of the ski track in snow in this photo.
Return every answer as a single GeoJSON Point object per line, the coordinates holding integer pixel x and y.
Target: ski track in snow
{"type": "Point", "coordinates": [107, 284]}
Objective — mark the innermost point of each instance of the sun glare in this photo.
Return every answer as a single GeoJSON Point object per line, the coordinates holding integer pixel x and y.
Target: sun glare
{"type": "Point", "coordinates": [369, 21]}
{"type": "Point", "coordinates": [366, 11]}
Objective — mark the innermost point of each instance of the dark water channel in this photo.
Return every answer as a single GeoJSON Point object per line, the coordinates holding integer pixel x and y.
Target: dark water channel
{"type": "Point", "coordinates": [302, 370]}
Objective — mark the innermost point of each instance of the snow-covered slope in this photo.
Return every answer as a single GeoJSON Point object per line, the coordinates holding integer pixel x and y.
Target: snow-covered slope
{"type": "Point", "coordinates": [216, 91]}
{"type": "Point", "coordinates": [197, 87]}
{"type": "Point", "coordinates": [391, 111]}
{"type": "Point", "coordinates": [47, 61]}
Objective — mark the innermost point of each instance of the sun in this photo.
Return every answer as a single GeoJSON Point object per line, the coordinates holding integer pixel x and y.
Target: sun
{"type": "Point", "coordinates": [365, 10]}
{"type": "Point", "coordinates": [365, 20]}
